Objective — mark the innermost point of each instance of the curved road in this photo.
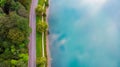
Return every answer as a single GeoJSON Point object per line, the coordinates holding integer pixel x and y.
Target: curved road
{"type": "Point", "coordinates": [32, 44]}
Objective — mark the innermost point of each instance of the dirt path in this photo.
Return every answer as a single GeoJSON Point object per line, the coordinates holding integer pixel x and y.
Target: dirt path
{"type": "Point", "coordinates": [47, 42]}
{"type": "Point", "coordinates": [32, 44]}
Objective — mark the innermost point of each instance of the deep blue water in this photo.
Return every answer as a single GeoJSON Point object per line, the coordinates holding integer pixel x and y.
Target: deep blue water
{"type": "Point", "coordinates": [84, 33]}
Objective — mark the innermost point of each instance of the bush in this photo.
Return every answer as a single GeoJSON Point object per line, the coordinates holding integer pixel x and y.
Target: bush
{"type": "Point", "coordinates": [42, 27]}
{"type": "Point", "coordinates": [39, 10]}
{"type": "Point", "coordinates": [41, 60]}
{"type": "Point", "coordinates": [47, 3]}
{"type": "Point", "coordinates": [22, 11]}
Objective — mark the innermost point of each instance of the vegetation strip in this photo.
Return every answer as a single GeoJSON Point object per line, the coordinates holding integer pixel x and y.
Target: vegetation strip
{"type": "Point", "coordinates": [41, 32]}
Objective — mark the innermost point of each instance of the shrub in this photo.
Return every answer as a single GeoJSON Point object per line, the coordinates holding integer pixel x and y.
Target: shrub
{"type": "Point", "coordinates": [41, 60]}
{"type": "Point", "coordinates": [42, 27]}
{"type": "Point", "coordinates": [39, 10]}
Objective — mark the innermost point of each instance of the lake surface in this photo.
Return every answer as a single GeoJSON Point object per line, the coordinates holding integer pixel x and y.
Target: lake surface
{"type": "Point", "coordinates": [84, 33]}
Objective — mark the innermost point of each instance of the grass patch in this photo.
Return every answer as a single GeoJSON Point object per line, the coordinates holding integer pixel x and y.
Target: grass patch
{"type": "Point", "coordinates": [39, 38]}
{"type": "Point", "coordinates": [39, 44]}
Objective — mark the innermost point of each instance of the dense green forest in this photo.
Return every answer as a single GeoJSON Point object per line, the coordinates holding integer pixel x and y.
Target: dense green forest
{"type": "Point", "coordinates": [14, 33]}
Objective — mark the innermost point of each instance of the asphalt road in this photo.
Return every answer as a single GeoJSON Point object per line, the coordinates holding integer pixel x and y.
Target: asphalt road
{"type": "Point", "coordinates": [32, 44]}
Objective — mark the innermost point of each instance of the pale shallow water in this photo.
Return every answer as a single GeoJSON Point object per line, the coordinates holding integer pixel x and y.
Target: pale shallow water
{"type": "Point", "coordinates": [84, 33]}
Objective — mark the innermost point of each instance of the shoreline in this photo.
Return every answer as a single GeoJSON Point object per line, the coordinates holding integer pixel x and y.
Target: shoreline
{"type": "Point", "coordinates": [48, 52]}
{"type": "Point", "coordinates": [47, 39]}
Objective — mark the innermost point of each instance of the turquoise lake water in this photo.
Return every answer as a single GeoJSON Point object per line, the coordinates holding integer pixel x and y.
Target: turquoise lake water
{"type": "Point", "coordinates": [84, 33]}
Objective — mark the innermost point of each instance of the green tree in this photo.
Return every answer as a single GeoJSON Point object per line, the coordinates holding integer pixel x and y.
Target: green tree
{"type": "Point", "coordinates": [42, 27]}
{"type": "Point", "coordinates": [2, 2]}
{"type": "Point", "coordinates": [25, 3]}
{"type": "Point", "coordinates": [8, 26]}
{"type": "Point", "coordinates": [14, 62]}
{"type": "Point", "coordinates": [41, 61]}
{"type": "Point", "coordinates": [21, 63]}
{"type": "Point", "coordinates": [24, 57]}
{"type": "Point", "coordinates": [5, 63]}
{"type": "Point", "coordinates": [6, 4]}
{"type": "Point", "coordinates": [16, 36]}
{"type": "Point", "coordinates": [22, 11]}
{"type": "Point", "coordinates": [46, 3]}
{"type": "Point", "coordinates": [14, 5]}
{"type": "Point", "coordinates": [39, 10]}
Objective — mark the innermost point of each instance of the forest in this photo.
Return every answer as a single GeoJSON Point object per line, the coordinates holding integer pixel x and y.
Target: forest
{"type": "Point", "coordinates": [14, 33]}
